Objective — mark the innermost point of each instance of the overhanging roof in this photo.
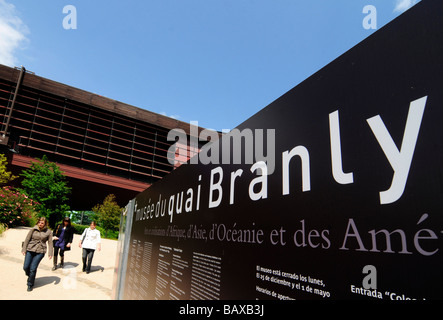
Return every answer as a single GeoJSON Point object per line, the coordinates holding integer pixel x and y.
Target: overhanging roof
{"type": "Point", "coordinates": [95, 100]}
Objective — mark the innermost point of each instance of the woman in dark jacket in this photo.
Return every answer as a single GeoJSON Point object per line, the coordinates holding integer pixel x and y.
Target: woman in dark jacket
{"type": "Point", "coordinates": [62, 235]}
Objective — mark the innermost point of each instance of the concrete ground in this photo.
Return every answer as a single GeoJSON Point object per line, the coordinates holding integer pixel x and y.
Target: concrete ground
{"type": "Point", "coordinates": [69, 283]}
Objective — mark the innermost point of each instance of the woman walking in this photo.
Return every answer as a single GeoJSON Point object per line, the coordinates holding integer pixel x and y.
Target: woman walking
{"type": "Point", "coordinates": [62, 236]}
{"type": "Point", "coordinates": [34, 249]}
{"type": "Point", "coordinates": [90, 241]}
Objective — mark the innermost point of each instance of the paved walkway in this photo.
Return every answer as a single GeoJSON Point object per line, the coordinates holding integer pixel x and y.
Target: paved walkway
{"type": "Point", "coordinates": [69, 283]}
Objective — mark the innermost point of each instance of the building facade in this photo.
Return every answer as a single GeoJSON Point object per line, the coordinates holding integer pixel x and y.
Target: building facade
{"type": "Point", "coordinates": [103, 146]}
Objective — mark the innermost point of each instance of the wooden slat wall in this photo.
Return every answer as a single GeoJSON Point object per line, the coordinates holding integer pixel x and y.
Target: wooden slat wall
{"type": "Point", "coordinates": [71, 93]}
{"type": "Point", "coordinates": [85, 130]}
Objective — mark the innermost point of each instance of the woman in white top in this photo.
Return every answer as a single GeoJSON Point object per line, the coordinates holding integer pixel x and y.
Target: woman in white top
{"type": "Point", "coordinates": [90, 241]}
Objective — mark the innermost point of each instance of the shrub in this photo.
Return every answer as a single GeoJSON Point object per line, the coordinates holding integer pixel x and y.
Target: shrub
{"type": "Point", "coordinates": [3, 228]}
{"type": "Point", "coordinates": [108, 216]}
{"type": "Point", "coordinates": [16, 208]}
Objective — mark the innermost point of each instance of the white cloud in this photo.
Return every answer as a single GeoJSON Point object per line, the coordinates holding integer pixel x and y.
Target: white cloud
{"type": "Point", "coordinates": [12, 33]}
{"type": "Point", "coordinates": [173, 116]}
{"type": "Point", "coordinates": [403, 5]}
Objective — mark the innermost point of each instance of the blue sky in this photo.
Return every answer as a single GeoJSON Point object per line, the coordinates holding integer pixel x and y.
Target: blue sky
{"type": "Point", "coordinates": [217, 62]}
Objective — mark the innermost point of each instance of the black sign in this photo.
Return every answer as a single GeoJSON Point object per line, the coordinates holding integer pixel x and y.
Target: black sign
{"type": "Point", "coordinates": [339, 194]}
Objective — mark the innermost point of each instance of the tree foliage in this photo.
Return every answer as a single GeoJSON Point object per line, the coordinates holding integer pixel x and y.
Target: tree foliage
{"type": "Point", "coordinates": [45, 183]}
{"type": "Point", "coordinates": [108, 213]}
{"type": "Point", "coordinates": [5, 176]}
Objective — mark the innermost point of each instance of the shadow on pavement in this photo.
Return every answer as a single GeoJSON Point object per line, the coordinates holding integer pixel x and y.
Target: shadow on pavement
{"type": "Point", "coordinates": [43, 281]}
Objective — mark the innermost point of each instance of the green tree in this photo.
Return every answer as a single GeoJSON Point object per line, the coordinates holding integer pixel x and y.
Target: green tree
{"type": "Point", "coordinates": [45, 183]}
{"type": "Point", "coordinates": [5, 176]}
{"type": "Point", "coordinates": [108, 214]}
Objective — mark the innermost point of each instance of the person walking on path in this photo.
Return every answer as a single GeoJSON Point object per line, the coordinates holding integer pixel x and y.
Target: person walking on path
{"type": "Point", "coordinates": [34, 248]}
{"type": "Point", "coordinates": [90, 241]}
{"type": "Point", "coordinates": [62, 236]}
